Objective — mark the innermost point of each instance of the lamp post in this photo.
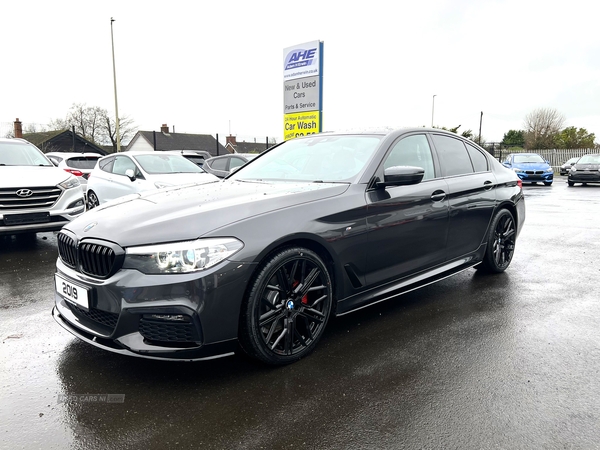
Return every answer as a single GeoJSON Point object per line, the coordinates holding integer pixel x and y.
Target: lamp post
{"type": "Point", "coordinates": [432, 109]}
{"type": "Point", "coordinates": [112, 41]}
{"type": "Point", "coordinates": [480, 120]}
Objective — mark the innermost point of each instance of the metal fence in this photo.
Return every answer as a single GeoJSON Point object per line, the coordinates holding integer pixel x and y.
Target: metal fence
{"type": "Point", "coordinates": [557, 157]}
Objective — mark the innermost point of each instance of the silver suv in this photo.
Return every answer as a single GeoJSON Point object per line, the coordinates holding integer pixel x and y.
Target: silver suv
{"type": "Point", "coordinates": [35, 195]}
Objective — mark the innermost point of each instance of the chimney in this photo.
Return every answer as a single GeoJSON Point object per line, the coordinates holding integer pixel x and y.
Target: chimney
{"type": "Point", "coordinates": [230, 140]}
{"type": "Point", "coordinates": [18, 128]}
{"type": "Point", "coordinates": [164, 128]}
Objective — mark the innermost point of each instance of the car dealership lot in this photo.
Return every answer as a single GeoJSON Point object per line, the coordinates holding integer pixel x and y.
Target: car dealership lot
{"type": "Point", "coordinates": [510, 361]}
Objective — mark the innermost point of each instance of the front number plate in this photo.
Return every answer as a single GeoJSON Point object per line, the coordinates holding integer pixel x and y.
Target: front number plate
{"type": "Point", "coordinates": [72, 292]}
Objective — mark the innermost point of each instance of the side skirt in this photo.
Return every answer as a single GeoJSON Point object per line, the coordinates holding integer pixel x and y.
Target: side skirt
{"type": "Point", "coordinates": [395, 289]}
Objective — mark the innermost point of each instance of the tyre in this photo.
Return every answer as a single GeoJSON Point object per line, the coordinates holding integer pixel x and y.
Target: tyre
{"type": "Point", "coordinates": [547, 183]}
{"type": "Point", "coordinates": [287, 307]}
{"type": "Point", "coordinates": [570, 183]}
{"type": "Point", "coordinates": [500, 243]}
{"type": "Point", "coordinates": [92, 200]}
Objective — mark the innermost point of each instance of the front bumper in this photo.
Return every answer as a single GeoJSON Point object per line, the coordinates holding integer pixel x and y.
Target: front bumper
{"type": "Point", "coordinates": [546, 177]}
{"type": "Point", "coordinates": [70, 205]}
{"type": "Point", "coordinates": [127, 313]}
{"type": "Point", "coordinates": [584, 176]}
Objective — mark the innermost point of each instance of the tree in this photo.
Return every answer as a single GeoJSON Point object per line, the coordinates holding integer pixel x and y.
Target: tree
{"type": "Point", "coordinates": [542, 127]}
{"type": "Point", "coordinates": [514, 138]}
{"type": "Point", "coordinates": [95, 124]}
{"type": "Point", "coordinates": [571, 137]}
{"type": "Point", "coordinates": [126, 129]}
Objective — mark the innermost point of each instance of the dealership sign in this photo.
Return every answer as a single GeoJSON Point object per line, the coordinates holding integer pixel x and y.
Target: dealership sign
{"type": "Point", "coordinates": [302, 89]}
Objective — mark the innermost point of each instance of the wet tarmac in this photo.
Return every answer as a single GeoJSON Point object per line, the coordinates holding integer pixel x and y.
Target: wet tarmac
{"type": "Point", "coordinates": [507, 361]}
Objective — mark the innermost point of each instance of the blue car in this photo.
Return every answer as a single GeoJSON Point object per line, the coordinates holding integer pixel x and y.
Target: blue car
{"type": "Point", "coordinates": [530, 167]}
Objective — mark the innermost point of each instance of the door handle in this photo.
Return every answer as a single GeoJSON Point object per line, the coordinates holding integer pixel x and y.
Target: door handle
{"type": "Point", "coordinates": [438, 195]}
{"type": "Point", "coordinates": [488, 185]}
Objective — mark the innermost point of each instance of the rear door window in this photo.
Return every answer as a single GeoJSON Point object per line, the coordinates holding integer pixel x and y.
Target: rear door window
{"type": "Point", "coordinates": [453, 155]}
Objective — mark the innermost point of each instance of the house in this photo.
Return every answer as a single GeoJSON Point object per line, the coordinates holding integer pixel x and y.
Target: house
{"type": "Point", "coordinates": [232, 146]}
{"type": "Point", "coordinates": [58, 141]}
{"type": "Point", "coordinates": [164, 140]}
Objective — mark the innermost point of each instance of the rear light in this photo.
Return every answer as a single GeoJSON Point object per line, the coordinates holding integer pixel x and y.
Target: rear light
{"type": "Point", "coordinates": [77, 173]}
{"type": "Point", "coordinates": [520, 183]}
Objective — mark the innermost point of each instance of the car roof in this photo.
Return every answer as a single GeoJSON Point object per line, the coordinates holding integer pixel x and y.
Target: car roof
{"type": "Point", "coordinates": [71, 154]}
{"type": "Point", "coordinates": [186, 152]}
{"type": "Point", "coordinates": [18, 140]}
{"type": "Point", "coordinates": [143, 152]}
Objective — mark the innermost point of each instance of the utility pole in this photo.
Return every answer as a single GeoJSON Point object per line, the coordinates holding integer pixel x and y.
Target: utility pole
{"type": "Point", "coordinates": [117, 131]}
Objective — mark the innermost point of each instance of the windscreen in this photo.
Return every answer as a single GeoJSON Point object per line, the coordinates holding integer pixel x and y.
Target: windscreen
{"type": "Point", "coordinates": [532, 158]}
{"type": "Point", "coordinates": [322, 158]}
{"type": "Point", "coordinates": [21, 154]}
{"type": "Point", "coordinates": [589, 159]}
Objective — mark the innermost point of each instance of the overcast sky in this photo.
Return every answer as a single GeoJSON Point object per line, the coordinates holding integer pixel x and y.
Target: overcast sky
{"type": "Point", "coordinates": [216, 67]}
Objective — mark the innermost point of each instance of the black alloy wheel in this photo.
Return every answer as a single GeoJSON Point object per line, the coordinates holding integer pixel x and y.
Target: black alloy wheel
{"type": "Point", "coordinates": [500, 243]}
{"type": "Point", "coordinates": [92, 200]}
{"type": "Point", "coordinates": [287, 308]}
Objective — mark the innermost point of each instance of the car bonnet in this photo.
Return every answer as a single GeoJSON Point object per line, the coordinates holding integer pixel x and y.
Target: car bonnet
{"type": "Point", "coordinates": [188, 212]}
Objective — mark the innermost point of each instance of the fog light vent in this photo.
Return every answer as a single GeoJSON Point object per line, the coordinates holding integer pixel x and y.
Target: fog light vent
{"type": "Point", "coordinates": [168, 328]}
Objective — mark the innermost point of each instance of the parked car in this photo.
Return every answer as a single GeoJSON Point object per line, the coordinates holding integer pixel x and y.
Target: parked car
{"type": "Point", "coordinates": [196, 156]}
{"type": "Point", "coordinates": [585, 170]}
{"type": "Point", "coordinates": [35, 195]}
{"type": "Point", "coordinates": [564, 169]}
{"type": "Point", "coordinates": [221, 166]}
{"type": "Point", "coordinates": [530, 167]}
{"type": "Point", "coordinates": [79, 164]}
{"type": "Point", "coordinates": [317, 226]}
{"type": "Point", "coordinates": [134, 172]}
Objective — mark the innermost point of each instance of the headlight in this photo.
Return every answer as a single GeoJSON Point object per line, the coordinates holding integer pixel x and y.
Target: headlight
{"type": "Point", "coordinates": [549, 170]}
{"type": "Point", "coordinates": [518, 170]}
{"type": "Point", "coordinates": [181, 257]}
{"type": "Point", "coordinates": [70, 183]}
{"type": "Point", "coordinates": [573, 169]}
{"type": "Point", "coordinates": [161, 184]}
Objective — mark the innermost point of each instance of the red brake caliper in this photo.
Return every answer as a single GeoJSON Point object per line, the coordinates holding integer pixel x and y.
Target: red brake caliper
{"type": "Point", "coordinates": [305, 298]}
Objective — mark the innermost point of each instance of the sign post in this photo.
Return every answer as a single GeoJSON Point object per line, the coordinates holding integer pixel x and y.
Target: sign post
{"type": "Point", "coordinates": [302, 89]}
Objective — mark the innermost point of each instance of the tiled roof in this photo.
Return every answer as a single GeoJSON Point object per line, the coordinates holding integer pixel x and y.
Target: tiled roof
{"type": "Point", "coordinates": [182, 141]}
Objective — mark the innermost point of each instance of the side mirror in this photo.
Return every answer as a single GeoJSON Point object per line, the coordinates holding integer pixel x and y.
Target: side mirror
{"type": "Point", "coordinates": [130, 174]}
{"type": "Point", "coordinates": [402, 176]}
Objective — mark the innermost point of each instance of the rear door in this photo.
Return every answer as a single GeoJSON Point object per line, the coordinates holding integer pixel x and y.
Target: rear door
{"type": "Point", "coordinates": [471, 193]}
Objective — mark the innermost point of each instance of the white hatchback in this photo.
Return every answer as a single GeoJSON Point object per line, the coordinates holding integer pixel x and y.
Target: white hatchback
{"type": "Point", "coordinates": [79, 164]}
{"type": "Point", "coordinates": [133, 172]}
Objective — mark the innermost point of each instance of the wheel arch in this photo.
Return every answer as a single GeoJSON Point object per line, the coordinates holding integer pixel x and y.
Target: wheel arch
{"type": "Point", "coordinates": [313, 243]}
